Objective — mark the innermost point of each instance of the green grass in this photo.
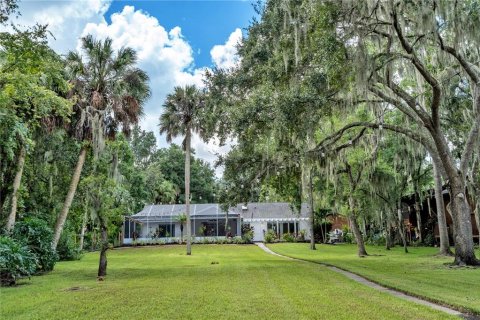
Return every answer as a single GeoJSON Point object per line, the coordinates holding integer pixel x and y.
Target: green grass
{"type": "Point", "coordinates": [419, 272]}
{"type": "Point", "coordinates": [164, 283]}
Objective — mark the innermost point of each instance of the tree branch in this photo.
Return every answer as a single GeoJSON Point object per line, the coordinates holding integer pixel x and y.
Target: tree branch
{"type": "Point", "coordinates": [436, 96]}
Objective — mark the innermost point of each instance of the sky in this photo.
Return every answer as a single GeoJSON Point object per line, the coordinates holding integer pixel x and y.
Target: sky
{"type": "Point", "coordinates": [175, 41]}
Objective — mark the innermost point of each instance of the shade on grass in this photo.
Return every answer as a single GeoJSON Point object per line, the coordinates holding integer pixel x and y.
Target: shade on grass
{"type": "Point", "coordinates": [163, 283]}
{"type": "Point", "coordinates": [420, 272]}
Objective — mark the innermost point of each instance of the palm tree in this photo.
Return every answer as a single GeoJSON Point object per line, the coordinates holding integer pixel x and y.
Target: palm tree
{"type": "Point", "coordinates": [110, 92]}
{"type": "Point", "coordinates": [182, 218]}
{"type": "Point", "coordinates": [182, 117]}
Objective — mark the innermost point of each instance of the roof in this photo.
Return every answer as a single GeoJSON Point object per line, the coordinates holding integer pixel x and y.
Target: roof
{"type": "Point", "coordinates": [255, 210]}
{"type": "Point", "coordinates": [173, 210]}
{"type": "Point", "coordinates": [275, 210]}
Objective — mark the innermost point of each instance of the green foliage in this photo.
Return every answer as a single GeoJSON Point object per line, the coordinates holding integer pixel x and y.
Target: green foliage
{"type": "Point", "coordinates": [67, 249]}
{"type": "Point", "coordinates": [288, 237]}
{"type": "Point", "coordinates": [37, 235]}
{"type": "Point", "coordinates": [429, 239]}
{"type": "Point", "coordinates": [247, 233]}
{"type": "Point", "coordinates": [16, 261]}
{"type": "Point", "coordinates": [376, 239]}
{"type": "Point", "coordinates": [270, 236]}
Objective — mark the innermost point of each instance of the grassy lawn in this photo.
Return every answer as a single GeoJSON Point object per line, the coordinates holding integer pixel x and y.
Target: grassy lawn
{"type": "Point", "coordinates": [419, 272]}
{"type": "Point", "coordinates": [164, 283]}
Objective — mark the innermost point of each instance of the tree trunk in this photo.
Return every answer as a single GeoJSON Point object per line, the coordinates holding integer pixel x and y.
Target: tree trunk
{"type": "Point", "coordinates": [387, 238]}
{"type": "Point", "coordinates": [181, 233]}
{"type": "Point", "coordinates": [419, 217]}
{"type": "Point", "coordinates": [84, 226]}
{"type": "Point", "coordinates": [16, 185]}
{"type": "Point", "coordinates": [441, 215]}
{"type": "Point", "coordinates": [401, 228]}
{"type": "Point", "coordinates": [464, 249]}
{"type": "Point", "coordinates": [68, 200]}
{"type": "Point", "coordinates": [187, 190]}
{"type": "Point", "coordinates": [461, 212]}
{"type": "Point", "coordinates": [102, 265]}
{"type": "Point", "coordinates": [115, 165]}
{"type": "Point", "coordinates": [356, 230]}
{"type": "Point", "coordinates": [477, 219]}
{"type": "Point", "coordinates": [312, 212]}
{"type": "Point", "coordinates": [387, 231]}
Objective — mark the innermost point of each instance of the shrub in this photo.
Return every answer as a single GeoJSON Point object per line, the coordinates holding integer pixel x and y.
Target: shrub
{"type": "Point", "coordinates": [67, 249]}
{"type": "Point", "coordinates": [301, 235]}
{"type": "Point", "coordinates": [16, 261]}
{"type": "Point", "coordinates": [348, 237]}
{"type": "Point", "coordinates": [247, 233]}
{"type": "Point", "coordinates": [270, 236]}
{"type": "Point", "coordinates": [376, 239]}
{"type": "Point", "coordinates": [288, 237]}
{"type": "Point", "coordinates": [36, 234]}
{"type": "Point", "coordinates": [429, 239]}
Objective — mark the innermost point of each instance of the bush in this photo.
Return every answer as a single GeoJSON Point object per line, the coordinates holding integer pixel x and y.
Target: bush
{"type": "Point", "coordinates": [376, 239]}
{"type": "Point", "coordinates": [67, 249]}
{"type": "Point", "coordinates": [301, 235]}
{"type": "Point", "coordinates": [16, 261]}
{"type": "Point", "coordinates": [348, 237]}
{"type": "Point", "coordinates": [36, 234]}
{"type": "Point", "coordinates": [288, 237]}
{"type": "Point", "coordinates": [247, 233]}
{"type": "Point", "coordinates": [429, 240]}
{"type": "Point", "coordinates": [270, 236]}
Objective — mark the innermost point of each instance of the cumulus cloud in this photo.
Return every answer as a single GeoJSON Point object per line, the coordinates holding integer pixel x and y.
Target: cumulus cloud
{"type": "Point", "coordinates": [225, 56]}
{"type": "Point", "coordinates": [165, 54]}
{"type": "Point", "coordinates": [65, 19]}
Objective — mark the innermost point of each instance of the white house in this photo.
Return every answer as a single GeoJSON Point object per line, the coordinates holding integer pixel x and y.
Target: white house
{"type": "Point", "coordinates": [209, 220]}
{"type": "Point", "coordinates": [278, 216]}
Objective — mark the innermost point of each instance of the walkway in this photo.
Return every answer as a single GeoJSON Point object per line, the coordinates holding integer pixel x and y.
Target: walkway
{"type": "Point", "coordinates": [378, 287]}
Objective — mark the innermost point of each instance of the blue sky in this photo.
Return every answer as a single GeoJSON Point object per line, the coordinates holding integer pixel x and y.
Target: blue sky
{"type": "Point", "coordinates": [175, 41]}
{"type": "Point", "coordinates": [204, 23]}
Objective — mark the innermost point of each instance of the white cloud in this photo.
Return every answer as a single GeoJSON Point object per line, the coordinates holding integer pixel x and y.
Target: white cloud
{"type": "Point", "coordinates": [165, 55]}
{"type": "Point", "coordinates": [65, 19]}
{"type": "Point", "coordinates": [225, 56]}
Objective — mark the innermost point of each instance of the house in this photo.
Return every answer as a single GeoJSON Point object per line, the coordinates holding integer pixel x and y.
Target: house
{"type": "Point", "coordinates": [428, 215]}
{"type": "Point", "coordinates": [279, 217]}
{"type": "Point", "coordinates": [209, 220]}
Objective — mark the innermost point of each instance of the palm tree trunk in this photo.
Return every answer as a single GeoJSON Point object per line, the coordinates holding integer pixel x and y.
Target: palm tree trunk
{"type": "Point", "coordinates": [16, 185]}
{"type": "Point", "coordinates": [68, 200]}
{"type": "Point", "coordinates": [441, 216]}
{"type": "Point", "coordinates": [356, 230]}
{"type": "Point", "coordinates": [187, 190]}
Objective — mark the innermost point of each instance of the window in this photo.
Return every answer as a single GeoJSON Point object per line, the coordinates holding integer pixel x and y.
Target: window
{"type": "Point", "coordinates": [165, 231]}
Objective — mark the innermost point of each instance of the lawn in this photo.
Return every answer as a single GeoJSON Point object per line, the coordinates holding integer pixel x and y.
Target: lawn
{"type": "Point", "coordinates": [419, 272]}
{"type": "Point", "coordinates": [216, 282]}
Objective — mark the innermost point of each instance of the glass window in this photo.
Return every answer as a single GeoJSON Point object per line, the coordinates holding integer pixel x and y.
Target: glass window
{"type": "Point", "coordinates": [165, 231]}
